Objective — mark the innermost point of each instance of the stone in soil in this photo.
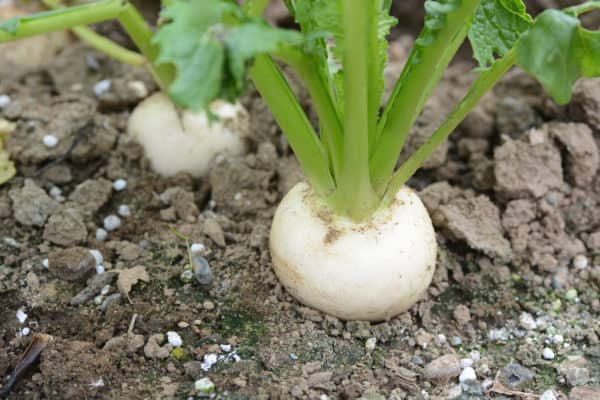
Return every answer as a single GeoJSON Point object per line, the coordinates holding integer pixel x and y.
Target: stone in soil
{"type": "Point", "coordinates": [74, 264]}
{"type": "Point", "coordinates": [129, 344]}
{"type": "Point", "coordinates": [576, 370]}
{"type": "Point", "coordinates": [585, 393]}
{"type": "Point", "coordinates": [515, 376]}
{"type": "Point", "coordinates": [586, 102]}
{"type": "Point", "coordinates": [442, 369]}
{"type": "Point", "coordinates": [31, 204]}
{"type": "Point", "coordinates": [92, 195]}
{"type": "Point", "coordinates": [523, 169]}
{"type": "Point", "coordinates": [582, 152]}
{"type": "Point", "coordinates": [154, 350]}
{"type": "Point", "coordinates": [474, 219]}
{"type": "Point", "coordinates": [66, 228]}
{"type": "Point", "coordinates": [183, 203]}
{"type": "Point", "coordinates": [94, 286]}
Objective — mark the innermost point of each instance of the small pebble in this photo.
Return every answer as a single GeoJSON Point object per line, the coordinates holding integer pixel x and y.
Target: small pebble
{"type": "Point", "coordinates": [4, 100]}
{"type": "Point", "coordinates": [370, 344]}
{"type": "Point", "coordinates": [197, 248]}
{"type": "Point", "coordinates": [558, 339]}
{"type": "Point", "coordinates": [208, 305]}
{"type": "Point", "coordinates": [204, 386]}
{"type": "Point", "coordinates": [25, 331]}
{"type": "Point", "coordinates": [208, 361]}
{"type": "Point", "coordinates": [580, 262]}
{"type": "Point", "coordinates": [55, 192]}
{"type": "Point", "coordinates": [114, 298]}
{"type": "Point", "coordinates": [571, 294]}
{"type": "Point", "coordinates": [225, 347]}
{"type": "Point", "coordinates": [138, 88]}
{"type": "Point", "coordinates": [102, 87]}
{"type": "Point", "coordinates": [105, 290]}
{"type": "Point", "coordinates": [498, 334]}
{"type": "Point", "coordinates": [124, 210]}
{"type": "Point", "coordinates": [98, 300]}
{"type": "Point", "coordinates": [50, 141]}
{"type": "Point", "coordinates": [202, 271]}
{"type": "Point", "coordinates": [119, 185]}
{"type": "Point", "coordinates": [97, 256]}
{"type": "Point", "coordinates": [467, 375]}
{"type": "Point", "coordinates": [100, 269]}
{"type": "Point", "coordinates": [174, 339]}
{"type": "Point", "coordinates": [465, 363]}
{"type": "Point", "coordinates": [91, 62]}
{"type": "Point", "coordinates": [527, 322]}
{"type": "Point", "coordinates": [475, 355]}
{"type": "Point", "coordinates": [441, 339]}
{"type": "Point", "coordinates": [21, 315]}
{"type": "Point", "coordinates": [456, 341]}
{"type": "Point", "coordinates": [454, 392]}
{"type": "Point", "coordinates": [45, 263]}
{"type": "Point", "coordinates": [293, 356]}
{"type": "Point", "coordinates": [548, 354]}
{"type": "Point", "coordinates": [101, 235]}
{"type": "Point", "coordinates": [548, 395]}
{"type": "Point", "coordinates": [111, 223]}
{"type": "Point", "coordinates": [187, 276]}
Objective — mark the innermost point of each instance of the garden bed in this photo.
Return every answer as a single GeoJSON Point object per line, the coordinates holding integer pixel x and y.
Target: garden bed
{"type": "Point", "coordinates": [514, 196]}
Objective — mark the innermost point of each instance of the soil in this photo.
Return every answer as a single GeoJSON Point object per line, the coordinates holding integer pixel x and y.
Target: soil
{"type": "Point", "coordinates": [514, 196]}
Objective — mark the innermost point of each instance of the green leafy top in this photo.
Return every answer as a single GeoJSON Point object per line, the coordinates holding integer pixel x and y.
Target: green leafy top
{"type": "Point", "coordinates": [557, 50]}
{"type": "Point", "coordinates": [321, 23]}
{"type": "Point", "coordinates": [210, 42]}
{"type": "Point", "coordinates": [495, 29]}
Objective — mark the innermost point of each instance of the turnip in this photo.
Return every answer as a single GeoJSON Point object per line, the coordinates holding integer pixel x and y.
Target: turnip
{"type": "Point", "coordinates": [185, 141]}
{"type": "Point", "coordinates": [352, 241]}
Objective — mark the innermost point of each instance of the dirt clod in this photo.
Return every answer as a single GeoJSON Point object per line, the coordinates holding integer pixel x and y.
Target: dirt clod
{"type": "Point", "coordinates": [31, 204]}
{"type": "Point", "coordinates": [66, 228]}
{"type": "Point", "coordinates": [524, 169]}
{"type": "Point", "coordinates": [75, 264]}
{"type": "Point", "coordinates": [442, 369]}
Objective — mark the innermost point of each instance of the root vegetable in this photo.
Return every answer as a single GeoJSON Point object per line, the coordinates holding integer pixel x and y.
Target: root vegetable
{"type": "Point", "coordinates": [372, 270]}
{"type": "Point", "coordinates": [184, 141]}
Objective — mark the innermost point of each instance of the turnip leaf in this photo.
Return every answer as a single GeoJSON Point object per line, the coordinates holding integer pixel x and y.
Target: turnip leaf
{"type": "Point", "coordinates": [209, 43]}
{"type": "Point", "coordinates": [495, 29]}
{"type": "Point", "coordinates": [10, 25]}
{"type": "Point", "coordinates": [558, 51]}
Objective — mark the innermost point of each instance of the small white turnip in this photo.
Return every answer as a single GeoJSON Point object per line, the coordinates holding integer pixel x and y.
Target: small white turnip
{"type": "Point", "coordinates": [371, 270]}
{"type": "Point", "coordinates": [184, 141]}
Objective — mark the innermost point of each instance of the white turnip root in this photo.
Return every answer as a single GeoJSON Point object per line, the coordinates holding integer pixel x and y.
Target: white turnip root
{"type": "Point", "coordinates": [184, 141]}
{"type": "Point", "coordinates": [368, 271]}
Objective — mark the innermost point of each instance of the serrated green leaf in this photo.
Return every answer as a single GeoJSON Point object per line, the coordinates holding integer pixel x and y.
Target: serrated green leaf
{"type": "Point", "coordinates": [210, 42]}
{"type": "Point", "coordinates": [243, 44]}
{"type": "Point", "coordinates": [495, 29]}
{"type": "Point", "coordinates": [10, 25]}
{"type": "Point", "coordinates": [321, 21]}
{"type": "Point", "coordinates": [558, 51]}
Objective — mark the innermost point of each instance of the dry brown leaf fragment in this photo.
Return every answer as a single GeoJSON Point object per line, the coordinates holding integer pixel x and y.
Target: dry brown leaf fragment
{"type": "Point", "coordinates": [129, 277]}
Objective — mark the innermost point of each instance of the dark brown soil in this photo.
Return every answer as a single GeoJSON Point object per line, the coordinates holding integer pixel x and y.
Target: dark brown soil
{"type": "Point", "coordinates": [514, 195]}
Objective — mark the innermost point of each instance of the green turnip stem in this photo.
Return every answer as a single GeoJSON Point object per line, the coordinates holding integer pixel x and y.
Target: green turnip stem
{"type": "Point", "coordinates": [354, 186]}
{"type": "Point", "coordinates": [331, 132]}
{"type": "Point", "coordinates": [480, 87]}
{"type": "Point", "coordinates": [294, 123]}
{"type": "Point", "coordinates": [417, 81]}
{"type": "Point", "coordinates": [584, 8]}
{"type": "Point", "coordinates": [87, 14]}
{"type": "Point", "coordinates": [101, 43]}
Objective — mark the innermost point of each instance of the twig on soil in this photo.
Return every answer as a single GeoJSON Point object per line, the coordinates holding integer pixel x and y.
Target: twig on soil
{"type": "Point", "coordinates": [28, 359]}
{"type": "Point", "coordinates": [131, 325]}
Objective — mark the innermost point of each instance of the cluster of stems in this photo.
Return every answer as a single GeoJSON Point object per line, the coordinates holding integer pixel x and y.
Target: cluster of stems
{"type": "Point", "coordinates": [351, 163]}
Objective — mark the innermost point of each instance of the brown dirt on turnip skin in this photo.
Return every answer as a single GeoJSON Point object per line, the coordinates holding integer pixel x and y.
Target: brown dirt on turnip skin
{"type": "Point", "coordinates": [487, 208]}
